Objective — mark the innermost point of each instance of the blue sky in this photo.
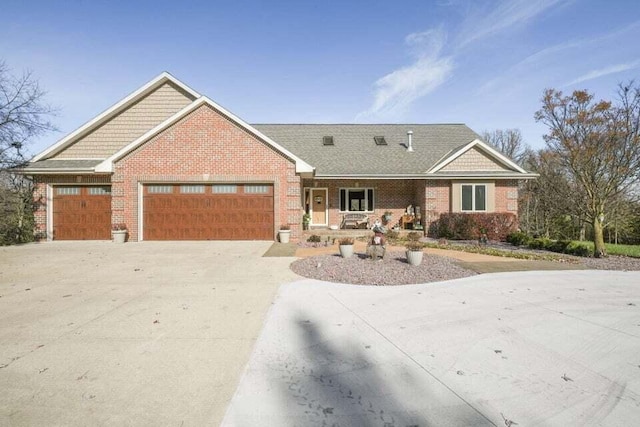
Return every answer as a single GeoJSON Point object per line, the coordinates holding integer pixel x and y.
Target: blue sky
{"type": "Point", "coordinates": [483, 63]}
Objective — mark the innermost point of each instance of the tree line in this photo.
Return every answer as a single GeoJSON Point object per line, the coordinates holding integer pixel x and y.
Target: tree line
{"type": "Point", "coordinates": [589, 183]}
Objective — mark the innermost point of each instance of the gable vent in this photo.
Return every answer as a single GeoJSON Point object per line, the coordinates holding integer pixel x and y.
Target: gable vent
{"type": "Point", "coordinates": [327, 140]}
{"type": "Point", "coordinates": [380, 140]}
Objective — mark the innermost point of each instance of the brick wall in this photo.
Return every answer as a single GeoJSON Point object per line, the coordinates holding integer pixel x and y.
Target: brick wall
{"type": "Point", "coordinates": [507, 196]}
{"type": "Point", "coordinates": [205, 147]}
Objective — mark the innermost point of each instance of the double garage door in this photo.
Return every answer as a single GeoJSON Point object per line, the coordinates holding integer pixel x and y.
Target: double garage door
{"type": "Point", "coordinates": [208, 212]}
{"type": "Point", "coordinates": [170, 212]}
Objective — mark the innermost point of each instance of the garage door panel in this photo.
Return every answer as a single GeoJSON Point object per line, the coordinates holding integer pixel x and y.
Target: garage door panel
{"type": "Point", "coordinates": [208, 215]}
{"type": "Point", "coordinates": [82, 213]}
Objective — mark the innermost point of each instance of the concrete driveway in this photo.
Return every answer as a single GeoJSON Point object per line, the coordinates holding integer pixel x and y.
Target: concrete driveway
{"type": "Point", "coordinates": [153, 333]}
{"type": "Point", "coordinates": [534, 348]}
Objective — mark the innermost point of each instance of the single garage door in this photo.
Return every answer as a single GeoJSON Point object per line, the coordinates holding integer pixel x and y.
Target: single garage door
{"type": "Point", "coordinates": [82, 212]}
{"type": "Point", "coordinates": [208, 212]}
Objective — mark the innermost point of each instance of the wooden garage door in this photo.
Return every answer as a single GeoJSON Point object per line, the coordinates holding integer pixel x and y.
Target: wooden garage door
{"type": "Point", "coordinates": [82, 213]}
{"type": "Point", "coordinates": [208, 212]}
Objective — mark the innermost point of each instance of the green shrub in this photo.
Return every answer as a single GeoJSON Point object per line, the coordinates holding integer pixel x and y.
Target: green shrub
{"type": "Point", "coordinates": [519, 238]}
{"type": "Point", "coordinates": [578, 249]}
{"type": "Point", "coordinates": [314, 238]}
{"type": "Point", "coordinates": [540, 243]}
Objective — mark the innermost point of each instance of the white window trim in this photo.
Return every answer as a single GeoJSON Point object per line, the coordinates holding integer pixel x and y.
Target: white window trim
{"type": "Point", "coordinates": [366, 198]}
{"type": "Point", "coordinates": [473, 197]}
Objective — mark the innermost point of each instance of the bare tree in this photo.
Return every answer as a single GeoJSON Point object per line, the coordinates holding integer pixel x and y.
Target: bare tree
{"type": "Point", "coordinates": [23, 115]}
{"type": "Point", "coordinates": [598, 148]}
{"type": "Point", "coordinates": [509, 142]}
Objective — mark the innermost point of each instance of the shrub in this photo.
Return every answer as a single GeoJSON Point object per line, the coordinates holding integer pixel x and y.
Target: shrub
{"type": "Point", "coordinates": [578, 249]}
{"type": "Point", "coordinates": [414, 236]}
{"type": "Point", "coordinates": [540, 243]}
{"type": "Point", "coordinates": [468, 226]}
{"type": "Point", "coordinates": [346, 241]}
{"type": "Point", "coordinates": [392, 234]}
{"type": "Point", "coordinates": [314, 238]}
{"type": "Point", "coordinates": [519, 238]}
{"type": "Point", "coordinates": [414, 246]}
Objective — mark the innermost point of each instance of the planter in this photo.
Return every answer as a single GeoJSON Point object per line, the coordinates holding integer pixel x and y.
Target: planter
{"type": "Point", "coordinates": [284, 236]}
{"type": "Point", "coordinates": [414, 257]}
{"type": "Point", "coordinates": [346, 251]}
{"type": "Point", "coordinates": [386, 218]}
{"type": "Point", "coordinates": [119, 236]}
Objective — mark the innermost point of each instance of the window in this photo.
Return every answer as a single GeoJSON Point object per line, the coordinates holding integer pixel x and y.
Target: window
{"type": "Point", "coordinates": [160, 189]}
{"type": "Point", "coordinates": [68, 191]}
{"type": "Point", "coordinates": [99, 191]}
{"type": "Point", "coordinates": [474, 197]}
{"type": "Point", "coordinates": [379, 140]}
{"type": "Point", "coordinates": [225, 188]}
{"type": "Point", "coordinates": [192, 189]}
{"type": "Point", "coordinates": [356, 200]}
{"type": "Point", "coordinates": [256, 189]}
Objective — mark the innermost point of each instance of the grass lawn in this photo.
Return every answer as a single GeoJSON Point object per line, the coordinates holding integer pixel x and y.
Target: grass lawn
{"type": "Point", "coordinates": [626, 250]}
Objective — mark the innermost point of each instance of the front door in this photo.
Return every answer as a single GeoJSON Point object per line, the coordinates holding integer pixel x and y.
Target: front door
{"type": "Point", "coordinates": [319, 206]}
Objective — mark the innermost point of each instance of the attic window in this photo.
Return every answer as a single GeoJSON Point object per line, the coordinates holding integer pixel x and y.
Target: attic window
{"type": "Point", "coordinates": [380, 140]}
{"type": "Point", "coordinates": [327, 140]}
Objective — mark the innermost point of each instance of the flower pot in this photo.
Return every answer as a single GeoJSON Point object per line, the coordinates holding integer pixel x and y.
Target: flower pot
{"type": "Point", "coordinates": [119, 236]}
{"type": "Point", "coordinates": [284, 236]}
{"type": "Point", "coordinates": [346, 250]}
{"type": "Point", "coordinates": [414, 257]}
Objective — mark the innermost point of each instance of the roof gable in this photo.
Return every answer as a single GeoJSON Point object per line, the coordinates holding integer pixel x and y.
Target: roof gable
{"type": "Point", "coordinates": [123, 121]}
{"type": "Point", "coordinates": [473, 157]}
{"type": "Point", "coordinates": [107, 164]}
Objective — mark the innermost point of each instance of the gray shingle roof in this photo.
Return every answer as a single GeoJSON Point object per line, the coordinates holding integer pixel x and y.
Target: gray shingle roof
{"type": "Point", "coordinates": [356, 153]}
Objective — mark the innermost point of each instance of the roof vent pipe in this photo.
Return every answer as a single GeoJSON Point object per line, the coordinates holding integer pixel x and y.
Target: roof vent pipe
{"type": "Point", "coordinates": [409, 140]}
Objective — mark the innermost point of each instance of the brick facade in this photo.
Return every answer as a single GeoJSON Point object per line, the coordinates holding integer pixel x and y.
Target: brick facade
{"type": "Point", "coordinates": [205, 147]}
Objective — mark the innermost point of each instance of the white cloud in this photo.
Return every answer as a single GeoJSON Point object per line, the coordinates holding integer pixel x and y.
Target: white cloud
{"type": "Point", "coordinates": [396, 91]}
{"type": "Point", "coordinates": [612, 69]}
{"type": "Point", "coordinates": [507, 14]}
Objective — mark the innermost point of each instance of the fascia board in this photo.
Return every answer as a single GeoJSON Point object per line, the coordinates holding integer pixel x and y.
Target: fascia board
{"type": "Point", "coordinates": [98, 120]}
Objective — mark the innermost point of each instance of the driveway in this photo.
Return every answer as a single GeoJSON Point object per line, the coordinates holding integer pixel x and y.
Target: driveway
{"type": "Point", "coordinates": [153, 333]}
{"type": "Point", "coordinates": [529, 348]}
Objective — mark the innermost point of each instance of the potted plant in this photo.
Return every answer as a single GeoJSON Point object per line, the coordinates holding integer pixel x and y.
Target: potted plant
{"type": "Point", "coordinates": [414, 253]}
{"type": "Point", "coordinates": [483, 239]}
{"type": "Point", "coordinates": [346, 246]}
{"type": "Point", "coordinates": [387, 216]}
{"type": "Point", "coordinates": [306, 220]}
{"type": "Point", "coordinates": [119, 232]}
{"type": "Point", "coordinates": [285, 233]}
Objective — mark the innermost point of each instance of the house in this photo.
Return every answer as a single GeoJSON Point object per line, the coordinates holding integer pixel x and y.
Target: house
{"type": "Point", "coordinates": [171, 164]}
